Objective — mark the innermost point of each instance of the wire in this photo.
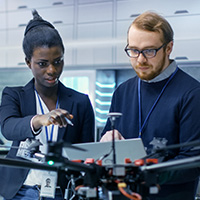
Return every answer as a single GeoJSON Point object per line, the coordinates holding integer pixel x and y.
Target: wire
{"type": "Point", "coordinates": [79, 186]}
{"type": "Point", "coordinates": [71, 181]}
{"type": "Point", "coordinates": [104, 156]}
{"type": "Point", "coordinates": [133, 195]}
{"type": "Point", "coordinates": [72, 197]}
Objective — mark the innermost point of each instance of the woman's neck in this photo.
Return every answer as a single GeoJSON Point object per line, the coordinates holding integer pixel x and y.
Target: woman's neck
{"type": "Point", "coordinates": [49, 96]}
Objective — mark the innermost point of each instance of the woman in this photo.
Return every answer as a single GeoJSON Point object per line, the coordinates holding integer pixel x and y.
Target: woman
{"type": "Point", "coordinates": [40, 108]}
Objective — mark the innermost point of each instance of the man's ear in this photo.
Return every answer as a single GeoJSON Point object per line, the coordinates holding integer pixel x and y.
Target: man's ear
{"type": "Point", "coordinates": [28, 62]}
{"type": "Point", "coordinates": [169, 47]}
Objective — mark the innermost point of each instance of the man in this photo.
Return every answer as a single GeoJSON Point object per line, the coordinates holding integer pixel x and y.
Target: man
{"type": "Point", "coordinates": [48, 183]}
{"type": "Point", "coordinates": [160, 104]}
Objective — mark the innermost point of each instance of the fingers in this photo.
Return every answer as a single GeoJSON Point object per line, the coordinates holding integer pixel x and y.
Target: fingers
{"type": "Point", "coordinates": [108, 136]}
{"type": "Point", "coordinates": [59, 117]}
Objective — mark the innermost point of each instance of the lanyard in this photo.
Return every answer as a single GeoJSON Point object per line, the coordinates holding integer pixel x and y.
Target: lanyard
{"type": "Point", "coordinates": [141, 126]}
{"type": "Point", "coordinates": [42, 110]}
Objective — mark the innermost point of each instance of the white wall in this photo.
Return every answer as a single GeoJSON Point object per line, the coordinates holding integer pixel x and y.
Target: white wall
{"type": "Point", "coordinates": [94, 31]}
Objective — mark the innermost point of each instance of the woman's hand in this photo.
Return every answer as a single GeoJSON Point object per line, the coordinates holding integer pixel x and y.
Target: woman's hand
{"type": "Point", "coordinates": [56, 117]}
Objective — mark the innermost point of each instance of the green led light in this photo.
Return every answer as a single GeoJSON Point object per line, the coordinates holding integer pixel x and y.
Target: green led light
{"type": "Point", "coordinates": [50, 162]}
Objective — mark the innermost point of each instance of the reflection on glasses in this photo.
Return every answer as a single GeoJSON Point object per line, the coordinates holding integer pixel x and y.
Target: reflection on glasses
{"type": "Point", "coordinates": [147, 53]}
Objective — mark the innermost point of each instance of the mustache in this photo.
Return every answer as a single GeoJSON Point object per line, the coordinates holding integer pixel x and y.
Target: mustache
{"type": "Point", "coordinates": [143, 65]}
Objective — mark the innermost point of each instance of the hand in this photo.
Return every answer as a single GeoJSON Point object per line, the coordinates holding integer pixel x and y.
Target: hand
{"type": "Point", "coordinates": [56, 117]}
{"type": "Point", "coordinates": [108, 136]}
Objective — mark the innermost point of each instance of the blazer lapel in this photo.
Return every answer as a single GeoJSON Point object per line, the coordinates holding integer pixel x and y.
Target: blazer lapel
{"type": "Point", "coordinates": [28, 99]}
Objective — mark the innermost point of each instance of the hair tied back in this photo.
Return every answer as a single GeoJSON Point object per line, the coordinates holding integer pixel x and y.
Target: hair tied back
{"type": "Point", "coordinates": [36, 21]}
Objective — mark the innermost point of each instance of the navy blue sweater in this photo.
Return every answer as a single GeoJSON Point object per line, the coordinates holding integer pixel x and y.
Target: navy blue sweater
{"type": "Point", "coordinates": [176, 116]}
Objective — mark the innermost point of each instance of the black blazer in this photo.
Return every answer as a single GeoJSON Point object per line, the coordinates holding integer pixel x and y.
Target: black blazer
{"type": "Point", "coordinates": [18, 106]}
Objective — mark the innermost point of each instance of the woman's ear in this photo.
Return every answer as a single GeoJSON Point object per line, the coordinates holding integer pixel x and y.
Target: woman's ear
{"type": "Point", "coordinates": [28, 62]}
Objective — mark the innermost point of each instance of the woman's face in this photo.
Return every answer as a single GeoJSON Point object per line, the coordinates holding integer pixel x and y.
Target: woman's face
{"type": "Point", "coordinates": [46, 65]}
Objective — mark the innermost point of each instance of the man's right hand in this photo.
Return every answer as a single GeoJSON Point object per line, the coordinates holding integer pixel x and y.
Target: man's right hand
{"type": "Point", "coordinates": [108, 136]}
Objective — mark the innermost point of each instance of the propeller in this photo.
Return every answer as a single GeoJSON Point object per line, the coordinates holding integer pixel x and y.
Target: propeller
{"type": "Point", "coordinates": [161, 151]}
{"type": "Point", "coordinates": [37, 143]}
{"type": "Point", "coordinates": [1, 141]}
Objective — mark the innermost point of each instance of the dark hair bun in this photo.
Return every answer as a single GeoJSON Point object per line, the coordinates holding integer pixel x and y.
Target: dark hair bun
{"type": "Point", "coordinates": [36, 21]}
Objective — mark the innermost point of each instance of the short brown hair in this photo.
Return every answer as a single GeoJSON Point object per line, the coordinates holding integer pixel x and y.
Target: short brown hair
{"type": "Point", "coordinates": [151, 21]}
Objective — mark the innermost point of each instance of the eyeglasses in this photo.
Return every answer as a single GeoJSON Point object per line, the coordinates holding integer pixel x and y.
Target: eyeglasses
{"type": "Point", "coordinates": [147, 53]}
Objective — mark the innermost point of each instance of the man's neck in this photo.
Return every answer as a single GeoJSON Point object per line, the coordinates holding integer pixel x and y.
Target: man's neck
{"type": "Point", "coordinates": [165, 73]}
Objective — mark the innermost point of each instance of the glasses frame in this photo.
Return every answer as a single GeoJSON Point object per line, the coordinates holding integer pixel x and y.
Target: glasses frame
{"type": "Point", "coordinates": [142, 51]}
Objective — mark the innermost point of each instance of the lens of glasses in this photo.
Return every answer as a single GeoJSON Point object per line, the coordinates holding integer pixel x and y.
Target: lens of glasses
{"type": "Point", "coordinates": [149, 53]}
{"type": "Point", "coordinates": [133, 53]}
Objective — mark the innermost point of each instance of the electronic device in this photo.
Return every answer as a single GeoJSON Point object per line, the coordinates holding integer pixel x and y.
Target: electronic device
{"type": "Point", "coordinates": [129, 148]}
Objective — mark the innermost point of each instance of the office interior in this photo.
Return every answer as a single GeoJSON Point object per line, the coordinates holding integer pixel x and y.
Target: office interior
{"type": "Point", "coordinates": [94, 34]}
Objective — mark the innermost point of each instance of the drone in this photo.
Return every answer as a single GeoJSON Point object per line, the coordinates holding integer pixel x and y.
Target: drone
{"type": "Point", "coordinates": [91, 180]}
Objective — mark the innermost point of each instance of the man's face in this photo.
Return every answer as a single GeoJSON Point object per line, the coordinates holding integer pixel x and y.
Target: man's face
{"type": "Point", "coordinates": [48, 182]}
{"type": "Point", "coordinates": [148, 68]}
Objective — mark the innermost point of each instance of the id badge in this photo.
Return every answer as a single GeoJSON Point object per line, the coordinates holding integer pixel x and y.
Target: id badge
{"type": "Point", "coordinates": [49, 182]}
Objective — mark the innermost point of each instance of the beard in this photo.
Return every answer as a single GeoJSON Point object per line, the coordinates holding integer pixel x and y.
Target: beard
{"type": "Point", "coordinates": [151, 73]}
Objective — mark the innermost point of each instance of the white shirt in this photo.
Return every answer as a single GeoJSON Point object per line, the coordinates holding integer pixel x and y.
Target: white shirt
{"type": "Point", "coordinates": [35, 176]}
